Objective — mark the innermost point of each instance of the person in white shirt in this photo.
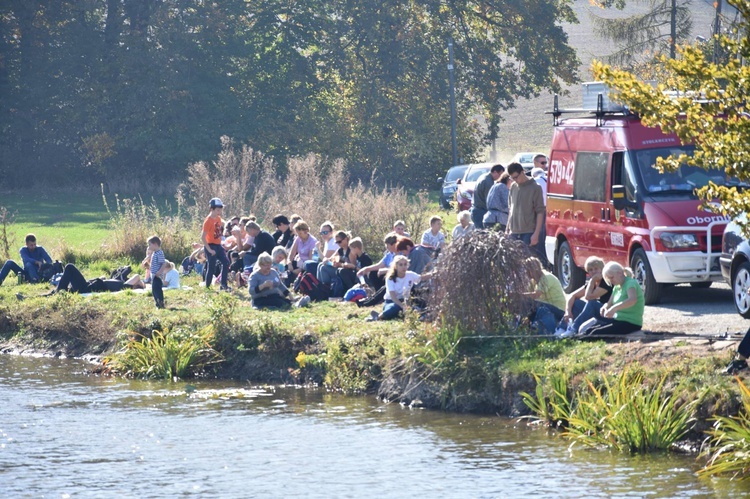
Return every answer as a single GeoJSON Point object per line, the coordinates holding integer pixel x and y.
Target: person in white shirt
{"type": "Point", "coordinates": [398, 287]}
{"type": "Point", "coordinates": [465, 225]}
{"type": "Point", "coordinates": [434, 238]}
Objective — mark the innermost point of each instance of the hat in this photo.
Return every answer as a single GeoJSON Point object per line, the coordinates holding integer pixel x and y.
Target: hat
{"type": "Point", "coordinates": [215, 203]}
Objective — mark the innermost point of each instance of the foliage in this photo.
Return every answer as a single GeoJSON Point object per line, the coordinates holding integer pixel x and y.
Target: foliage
{"type": "Point", "coordinates": [115, 90]}
{"type": "Point", "coordinates": [167, 355]}
{"type": "Point", "coordinates": [479, 283]}
{"type": "Point", "coordinates": [729, 447]}
{"type": "Point", "coordinates": [134, 221]}
{"type": "Point", "coordinates": [627, 415]}
{"type": "Point", "coordinates": [552, 402]}
{"type": "Point", "coordinates": [316, 189]}
{"type": "Point", "coordinates": [709, 109]}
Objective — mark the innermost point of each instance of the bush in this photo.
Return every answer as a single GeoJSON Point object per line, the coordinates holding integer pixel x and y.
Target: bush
{"type": "Point", "coordinates": [479, 283]}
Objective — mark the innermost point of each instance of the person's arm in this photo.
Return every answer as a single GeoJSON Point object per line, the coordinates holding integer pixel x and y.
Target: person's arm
{"type": "Point", "coordinates": [397, 300]}
{"type": "Point", "coordinates": [540, 214]}
{"type": "Point", "coordinates": [293, 250]}
{"type": "Point", "coordinates": [593, 290]}
{"type": "Point", "coordinates": [45, 256]}
{"type": "Point", "coordinates": [204, 238]}
{"type": "Point", "coordinates": [631, 300]}
{"type": "Point", "coordinates": [578, 293]}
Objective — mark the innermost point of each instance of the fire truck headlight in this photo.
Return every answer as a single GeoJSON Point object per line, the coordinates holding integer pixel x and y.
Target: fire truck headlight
{"type": "Point", "coordinates": [672, 240]}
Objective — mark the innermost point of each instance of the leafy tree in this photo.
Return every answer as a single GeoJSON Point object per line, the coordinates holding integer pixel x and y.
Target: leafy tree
{"type": "Point", "coordinates": [709, 109]}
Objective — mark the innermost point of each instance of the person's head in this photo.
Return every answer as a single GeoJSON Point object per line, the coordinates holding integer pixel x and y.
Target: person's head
{"type": "Point", "coordinates": [356, 246]}
{"type": "Point", "coordinates": [342, 239]}
{"type": "Point", "coordinates": [326, 230]}
{"type": "Point", "coordinates": [464, 218]}
{"type": "Point", "coordinates": [293, 221]}
{"type": "Point", "coordinates": [436, 223]}
{"type": "Point", "coordinates": [390, 241]}
{"type": "Point", "coordinates": [278, 254]}
{"type": "Point", "coordinates": [170, 265]}
{"type": "Point", "coordinates": [496, 171]}
{"type": "Point", "coordinates": [534, 268]}
{"type": "Point", "coordinates": [505, 178]}
{"type": "Point", "coordinates": [302, 229]}
{"type": "Point", "coordinates": [243, 221]}
{"type": "Point", "coordinates": [154, 243]}
{"type": "Point", "coordinates": [234, 220]}
{"type": "Point", "coordinates": [265, 262]}
{"type": "Point", "coordinates": [399, 227]}
{"type": "Point", "coordinates": [281, 222]}
{"type": "Point", "coordinates": [30, 241]}
{"type": "Point", "coordinates": [228, 228]}
{"type": "Point", "coordinates": [399, 266]}
{"type": "Point", "coordinates": [404, 245]}
{"type": "Point", "coordinates": [594, 265]}
{"type": "Point", "coordinates": [215, 205]}
{"type": "Point", "coordinates": [252, 228]}
{"type": "Point", "coordinates": [540, 161]}
{"type": "Point", "coordinates": [614, 273]}
{"type": "Point", "coordinates": [515, 170]}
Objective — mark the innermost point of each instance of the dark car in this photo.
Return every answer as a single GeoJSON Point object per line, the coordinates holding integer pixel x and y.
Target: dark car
{"type": "Point", "coordinates": [449, 186]}
{"type": "Point", "coordinates": [735, 266]}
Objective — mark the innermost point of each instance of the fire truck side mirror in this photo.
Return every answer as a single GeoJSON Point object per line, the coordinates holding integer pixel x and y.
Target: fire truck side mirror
{"type": "Point", "coordinates": [618, 197]}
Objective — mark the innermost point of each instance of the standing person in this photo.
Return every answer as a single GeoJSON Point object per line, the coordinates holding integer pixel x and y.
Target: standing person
{"type": "Point", "coordinates": [526, 207]}
{"type": "Point", "coordinates": [482, 189]}
{"type": "Point", "coordinates": [539, 174]}
{"type": "Point", "coordinates": [32, 258]}
{"type": "Point", "coordinates": [497, 204]}
{"type": "Point", "coordinates": [211, 237]}
{"type": "Point", "coordinates": [623, 313]}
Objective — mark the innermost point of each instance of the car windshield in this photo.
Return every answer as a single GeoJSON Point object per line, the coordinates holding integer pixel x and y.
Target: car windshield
{"type": "Point", "coordinates": [685, 179]}
{"type": "Point", "coordinates": [455, 173]}
{"type": "Point", "coordinates": [526, 158]}
{"type": "Point", "coordinates": [475, 173]}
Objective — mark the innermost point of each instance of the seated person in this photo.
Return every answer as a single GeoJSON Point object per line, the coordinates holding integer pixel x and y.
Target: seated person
{"type": "Point", "coordinates": [292, 222]}
{"type": "Point", "coordinates": [434, 239]}
{"type": "Point", "coordinates": [740, 360]}
{"type": "Point", "coordinates": [465, 225]}
{"type": "Point", "coordinates": [32, 257]}
{"type": "Point", "coordinates": [326, 248]}
{"type": "Point", "coordinates": [420, 258]}
{"type": "Point", "coordinates": [265, 287]}
{"type": "Point", "coordinates": [362, 260]}
{"type": "Point", "coordinates": [263, 242]}
{"type": "Point", "coordinates": [399, 228]}
{"type": "Point", "coordinates": [399, 282]}
{"type": "Point", "coordinates": [623, 313]}
{"type": "Point", "coordinates": [548, 295]}
{"type": "Point", "coordinates": [342, 260]}
{"type": "Point", "coordinates": [302, 248]}
{"type": "Point", "coordinates": [195, 261]}
{"type": "Point", "coordinates": [375, 274]}
{"type": "Point", "coordinates": [283, 234]}
{"type": "Point", "coordinates": [586, 301]}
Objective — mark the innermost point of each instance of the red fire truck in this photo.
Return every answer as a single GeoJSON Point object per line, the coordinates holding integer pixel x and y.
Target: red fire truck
{"type": "Point", "coordinates": [606, 198]}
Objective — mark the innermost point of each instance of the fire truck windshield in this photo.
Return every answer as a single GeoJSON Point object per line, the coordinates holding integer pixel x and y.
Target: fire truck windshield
{"type": "Point", "coordinates": [685, 179]}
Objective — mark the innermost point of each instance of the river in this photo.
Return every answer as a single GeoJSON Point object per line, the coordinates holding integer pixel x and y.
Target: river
{"type": "Point", "coordinates": [67, 434]}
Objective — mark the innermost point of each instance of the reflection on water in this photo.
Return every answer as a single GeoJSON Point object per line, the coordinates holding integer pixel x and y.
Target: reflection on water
{"type": "Point", "coordinates": [67, 434]}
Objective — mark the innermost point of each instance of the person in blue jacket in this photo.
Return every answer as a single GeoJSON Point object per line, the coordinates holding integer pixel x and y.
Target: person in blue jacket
{"type": "Point", "coordinates": [32, 257]}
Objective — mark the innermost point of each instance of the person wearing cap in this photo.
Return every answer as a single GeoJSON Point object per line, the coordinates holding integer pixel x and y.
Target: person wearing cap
{"type": "Point", "coordinates": [213, 228]}
{"type": "Point", "coordinates": [283, 234]}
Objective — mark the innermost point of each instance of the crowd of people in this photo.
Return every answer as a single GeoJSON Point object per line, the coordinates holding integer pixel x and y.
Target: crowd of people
{"type": "Point", "coordinates": [282, 268]}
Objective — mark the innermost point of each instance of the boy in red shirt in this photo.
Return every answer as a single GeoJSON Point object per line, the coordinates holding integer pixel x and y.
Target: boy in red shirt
{"type": "Point", "coordinates": [213, 228]}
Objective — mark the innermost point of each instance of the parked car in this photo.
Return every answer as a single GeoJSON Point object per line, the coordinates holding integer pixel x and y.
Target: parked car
{"type": "Point", "coordinates": [735, 266]}
{"type": "Point", "coordinates": [449, 184]}
{"type": "Point", "coordinates": [465, 191]}
{"type": "Point", "coordinates": [526, 159]}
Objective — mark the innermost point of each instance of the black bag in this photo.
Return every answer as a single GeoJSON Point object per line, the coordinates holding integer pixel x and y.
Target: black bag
{"type": "Point", "coordinates": [121, 273]}
{"type": "Point", "coordinates": [309, 285]}
{"type": "Point", "coordinates": [48, 270]}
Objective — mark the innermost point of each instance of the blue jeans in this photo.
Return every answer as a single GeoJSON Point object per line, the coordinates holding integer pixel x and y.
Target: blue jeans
{"type": "Point", "coordinates": [390, 311]}
{"type": "Point", "coordinates": [547, 317]}
{"type": "Point", "coordinates": [326, 273]}
{"type": "Point", "coordinates": [7, 267]}
{"type": "Point", "coordinates": [477, 214]}
{"type": "Point", "coordinates": [221, 257]}
{"type": "Point", "coordinates": [585, 310]}
{"type": "Point", "coordinates": [525, 238]}
{"type": "Point", "coordinates": [311, 267]}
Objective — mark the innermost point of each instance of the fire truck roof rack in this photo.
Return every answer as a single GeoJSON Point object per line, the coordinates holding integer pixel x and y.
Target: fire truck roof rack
{"type": "Point", "coordinates": [595, 101]}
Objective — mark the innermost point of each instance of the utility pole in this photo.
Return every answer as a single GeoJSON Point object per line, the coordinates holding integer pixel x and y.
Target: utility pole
{"type": "Point", "coordinates": [673, 30]}
{"type": "Point", "coordinates": [453, 102]}
{"type": "Point", "coordinates": [717, 31]}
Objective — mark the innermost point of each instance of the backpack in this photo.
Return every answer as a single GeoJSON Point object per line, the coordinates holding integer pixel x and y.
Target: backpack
{"type": "Point", "coordinates": [121, 273]}
{"type": "Point", "coordinates": [48, 270]}
{"type": "Point", "coordinates": [309, 285]}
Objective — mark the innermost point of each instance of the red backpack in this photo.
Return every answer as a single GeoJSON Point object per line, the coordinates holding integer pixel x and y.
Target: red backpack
{"type": "Point", "coordinates": [307, 284]}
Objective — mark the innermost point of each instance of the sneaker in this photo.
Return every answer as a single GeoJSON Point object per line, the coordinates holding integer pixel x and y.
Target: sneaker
{"type": "Point", "coordinates": [303, 302]}
{"type": "Point", "coordinates": [559, 332]}
{"type": "Point", "coordinates": [20, 297]}
{"type": "Point", "coordinates": [159, 303]}
{"type": "Point", "coordinates": [227, 289]}
{"type": "Point", "coordinates": [568, 333]}
{"type": "Point", "coordinates": [735, 366]}
{"type": "Point", "coordinates": [373, 316]}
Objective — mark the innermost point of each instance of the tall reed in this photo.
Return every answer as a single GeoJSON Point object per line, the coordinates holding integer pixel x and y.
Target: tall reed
{"type": "Point", "coordinates": [728, 451]}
